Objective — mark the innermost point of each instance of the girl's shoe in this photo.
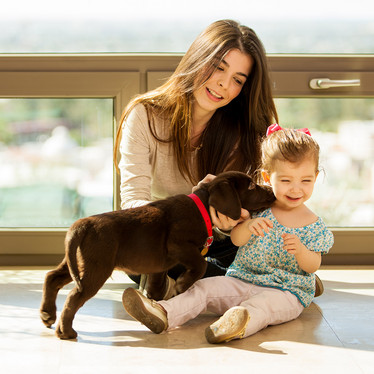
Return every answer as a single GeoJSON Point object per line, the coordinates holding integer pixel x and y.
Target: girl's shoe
{"type": "Point", "coordinates": [230, 326]}
{"type": "Point", "coordinates": [145, 310]}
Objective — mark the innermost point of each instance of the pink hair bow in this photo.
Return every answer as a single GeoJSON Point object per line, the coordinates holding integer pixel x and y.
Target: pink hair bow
{"type": "Point", "coordinates": [275, 127]}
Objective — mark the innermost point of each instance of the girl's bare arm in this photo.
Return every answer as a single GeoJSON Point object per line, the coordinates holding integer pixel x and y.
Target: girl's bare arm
{"type": "Point", "coordinates": [242, 232]}
{"type": "Point", "coordinates": [309, 261]}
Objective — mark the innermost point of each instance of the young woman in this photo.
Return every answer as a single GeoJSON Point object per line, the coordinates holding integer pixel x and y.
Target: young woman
{"type": "Point", "coordinates": [272, 278]}
{"type": "Point", "coordinates": [207, 118]}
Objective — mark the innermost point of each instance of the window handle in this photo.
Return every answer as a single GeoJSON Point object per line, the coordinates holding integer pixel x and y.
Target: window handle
{"type": "Point", "coordinates": [323, 83]}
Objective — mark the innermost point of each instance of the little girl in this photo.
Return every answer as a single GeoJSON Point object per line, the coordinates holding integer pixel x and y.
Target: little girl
{"type": "Point", "coordinates": [271, 280]}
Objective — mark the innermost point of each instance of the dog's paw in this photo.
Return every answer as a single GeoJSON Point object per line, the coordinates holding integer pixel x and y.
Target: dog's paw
{"type": "Point", "coordinates": [65, 335]}
{"type": "Point", "coordinates": [47, 318]}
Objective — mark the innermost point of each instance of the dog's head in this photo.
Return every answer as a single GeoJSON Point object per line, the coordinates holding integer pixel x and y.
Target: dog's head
{"type": "Point", "coordinates": [230, 191]}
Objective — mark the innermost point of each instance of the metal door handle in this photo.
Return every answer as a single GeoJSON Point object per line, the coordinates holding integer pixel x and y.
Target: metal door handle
{"type": "Point", "coordinates": [323, 83]}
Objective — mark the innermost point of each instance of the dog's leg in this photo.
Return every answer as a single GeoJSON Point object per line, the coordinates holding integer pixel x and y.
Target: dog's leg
{"type": "Point", "coordinates": [160, 286]}
{"type": "Point", "coordinates": [195, 265]}
{"type": "Point", "coordinates": [75, 300]}
{"type": "Point", "coordinates": [54, 281]}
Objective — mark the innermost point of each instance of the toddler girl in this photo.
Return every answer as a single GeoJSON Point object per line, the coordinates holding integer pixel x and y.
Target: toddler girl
{"type": "Point", "coordinates": [272, 278]}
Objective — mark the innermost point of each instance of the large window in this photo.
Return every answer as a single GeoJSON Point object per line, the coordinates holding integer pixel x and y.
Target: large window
{"type": "Point", "coordinates": [330, 113]}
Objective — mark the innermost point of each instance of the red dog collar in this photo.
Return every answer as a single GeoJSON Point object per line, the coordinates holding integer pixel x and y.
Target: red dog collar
{"type": "Point", "coordinates": [207, 221]}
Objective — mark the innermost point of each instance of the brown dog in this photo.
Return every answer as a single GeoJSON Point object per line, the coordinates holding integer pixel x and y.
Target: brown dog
{"type": "Point", "coordinates": [146, 240]}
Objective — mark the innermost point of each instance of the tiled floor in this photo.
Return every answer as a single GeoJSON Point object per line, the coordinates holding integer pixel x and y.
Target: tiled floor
{"type": "Point", "coordinates": [334, 335]}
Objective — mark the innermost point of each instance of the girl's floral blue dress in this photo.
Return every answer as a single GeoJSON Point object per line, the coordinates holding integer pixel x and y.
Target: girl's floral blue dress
{"type": "Point", "coordinates": [264, 262]}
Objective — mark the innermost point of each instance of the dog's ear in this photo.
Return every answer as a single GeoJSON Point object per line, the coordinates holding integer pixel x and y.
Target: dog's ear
{"type": "Point", "coordinates": [224, 198]}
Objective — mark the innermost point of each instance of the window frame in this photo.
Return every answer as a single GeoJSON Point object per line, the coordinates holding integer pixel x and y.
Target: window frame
{"type": "Point", "coordinates": [120, 77]}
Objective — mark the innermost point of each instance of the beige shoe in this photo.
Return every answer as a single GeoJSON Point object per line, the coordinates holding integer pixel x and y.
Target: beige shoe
{"type": "Point", "coordinates": [145, 310]}
{"type": "Point", "coordinates": [319, 287]}
{"type": "Point", "coordinates": [230, 326]}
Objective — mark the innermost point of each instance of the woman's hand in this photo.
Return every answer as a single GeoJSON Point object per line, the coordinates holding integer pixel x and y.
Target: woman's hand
{"type": "Point", "coordinates": [225, 223]}
{"type": "Point", "coordinates": [208, 178]}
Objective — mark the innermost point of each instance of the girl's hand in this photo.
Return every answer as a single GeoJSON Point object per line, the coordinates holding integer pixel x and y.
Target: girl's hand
{"type": "Point", "coordinates": [256, 226]}
{"type": "Point", "coordinates": [259, 226]}
{"type": "Point", "coordinates": [292, 244]}
{"type": "Point", "coordinates": [225, 223]}
{"type": "Point", "coordinates": [309, 261]}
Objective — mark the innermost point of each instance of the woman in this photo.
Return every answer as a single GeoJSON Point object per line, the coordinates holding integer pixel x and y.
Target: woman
{"type": "Point", "coordinates": [207, 118]}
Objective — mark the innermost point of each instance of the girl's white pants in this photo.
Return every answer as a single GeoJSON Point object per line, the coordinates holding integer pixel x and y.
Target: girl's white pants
{"type": "Point", "coordinates": [266, 306]}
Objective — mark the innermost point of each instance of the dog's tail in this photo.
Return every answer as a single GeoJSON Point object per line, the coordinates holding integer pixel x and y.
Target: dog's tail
{"type": "Point", "coordinates": [74, 238]}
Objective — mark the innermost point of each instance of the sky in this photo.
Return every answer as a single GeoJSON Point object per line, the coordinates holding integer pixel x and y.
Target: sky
{"type": "Point", "coordinates": [117, 10]}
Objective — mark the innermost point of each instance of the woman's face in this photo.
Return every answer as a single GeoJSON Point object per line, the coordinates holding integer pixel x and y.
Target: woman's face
{"type": "Point", "coordinates": [224, 84]}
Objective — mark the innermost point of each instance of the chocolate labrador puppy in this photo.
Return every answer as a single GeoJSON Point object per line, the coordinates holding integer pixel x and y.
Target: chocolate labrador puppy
{"type": "Point", "coordinates": [146, 240]}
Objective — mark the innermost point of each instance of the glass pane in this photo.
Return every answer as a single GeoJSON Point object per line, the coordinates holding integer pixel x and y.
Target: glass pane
{"type": "Point", "coordinates": [344, 129]}
{"type": "Point", "coordinates": [55, 160]}
{"type": "Point", "coordinates": [288, 26]}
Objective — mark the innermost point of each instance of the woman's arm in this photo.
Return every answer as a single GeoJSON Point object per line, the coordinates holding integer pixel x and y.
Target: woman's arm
{"type": "Point", "coordinates": [135, 165]}
{"type": "Point", "coordinates": [148, 169]}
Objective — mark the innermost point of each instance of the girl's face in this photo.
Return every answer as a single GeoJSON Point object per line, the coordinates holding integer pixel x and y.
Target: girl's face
{"type": "Point", "coordinates": [224, 84]}
{"type": "Point", "coordinates": [292, 183]}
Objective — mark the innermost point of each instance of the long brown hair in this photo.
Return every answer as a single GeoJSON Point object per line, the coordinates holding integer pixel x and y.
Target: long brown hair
{"type": "Point", "coordinates": [231, 138]}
